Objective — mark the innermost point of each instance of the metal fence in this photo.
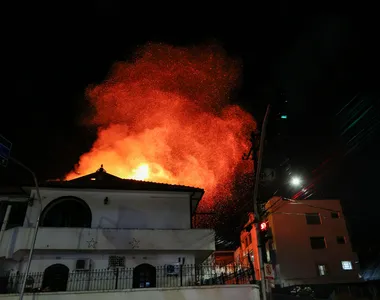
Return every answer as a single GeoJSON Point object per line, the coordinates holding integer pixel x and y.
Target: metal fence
{"type": "Point", "coordinates": [126, 278]}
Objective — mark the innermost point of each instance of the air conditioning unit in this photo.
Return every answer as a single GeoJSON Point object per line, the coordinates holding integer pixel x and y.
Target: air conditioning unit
{"type": "Point", "coordinates": [172, 270]}
{"type": "Point", "coordinates": [83, 264]}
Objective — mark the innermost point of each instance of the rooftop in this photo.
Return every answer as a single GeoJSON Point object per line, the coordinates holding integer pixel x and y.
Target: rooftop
{"type": "Point", "coordinates": [103, 180]}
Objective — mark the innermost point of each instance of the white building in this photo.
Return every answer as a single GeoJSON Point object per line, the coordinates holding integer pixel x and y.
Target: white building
{"type": "Point", "coordinates": [101, 232]}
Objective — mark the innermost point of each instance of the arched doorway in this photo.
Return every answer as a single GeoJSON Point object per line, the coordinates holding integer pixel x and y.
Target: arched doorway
{"type": "Point", "coordinates": [66, 212]}
{"type": "Point", "coordinates": [144, 276]}
{"type": "Point", "coordinates": [55, 278]}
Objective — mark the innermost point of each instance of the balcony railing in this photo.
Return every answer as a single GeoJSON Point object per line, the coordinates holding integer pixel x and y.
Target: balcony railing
{"type": "Point", "coordinates": [126, 278]}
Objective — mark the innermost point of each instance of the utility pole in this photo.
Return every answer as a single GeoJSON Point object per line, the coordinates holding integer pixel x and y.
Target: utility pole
{"type": "Point", "coordinates": [257, 156]}
{"type": "Point", "coordinates": [5, 156]}
{"type": "Point", "coordinates": [31, 251]}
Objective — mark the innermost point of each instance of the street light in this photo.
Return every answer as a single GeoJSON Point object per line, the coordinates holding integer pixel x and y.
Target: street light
{"type": "Point", "coordinates": [295, 181]}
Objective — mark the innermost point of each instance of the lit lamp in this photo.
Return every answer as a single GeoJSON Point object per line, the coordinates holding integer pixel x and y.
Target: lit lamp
{"type": "Point", "coordinates": [295, 181]}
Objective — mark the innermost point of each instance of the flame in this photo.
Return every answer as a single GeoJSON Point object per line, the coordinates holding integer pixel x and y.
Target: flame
{"type": "Point", "coordinates": [166, 117]}
{"type": "Point", "coordinates": [141, 172]}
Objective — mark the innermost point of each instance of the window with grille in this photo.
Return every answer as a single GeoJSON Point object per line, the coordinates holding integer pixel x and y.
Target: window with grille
{"type": "Point", "coordinates": [313, 218]}
{"type": "Point", "coordinates": [116, 261]}
{"type": "Point", "coordinates": [249, 238]}
{"type": "Point", "coordinates": [317, 242]}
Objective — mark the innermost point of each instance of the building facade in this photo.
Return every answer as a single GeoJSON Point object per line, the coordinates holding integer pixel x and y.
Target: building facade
{"type": "Point", "coordinates": [248, 253]}
{"type": "Point", "coordinates": [307, 242]}
{"type": "Point", "coordinates": [103, 223]}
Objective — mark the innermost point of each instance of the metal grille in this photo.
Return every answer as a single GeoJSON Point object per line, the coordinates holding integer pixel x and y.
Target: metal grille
{"type": "Point", "coordinates": [116, 261]}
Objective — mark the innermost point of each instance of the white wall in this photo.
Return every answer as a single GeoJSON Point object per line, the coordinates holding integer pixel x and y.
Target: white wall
{"type": "Point", "coordinates": [224, 292]}
{"type": "Point", "coordinates": [100, 261]}
{"type": "Point", "coordinates": [126, 209]}
{"type": "Point", "coordinates": [87, 239]}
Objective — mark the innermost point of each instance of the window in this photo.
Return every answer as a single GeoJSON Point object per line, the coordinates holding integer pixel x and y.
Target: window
{"type": "Point", "coordinates": [317, 242]}
{"type": "Point", "coordinates": [17, 214]}
{"type": "Point", "coordinates": [251, 255]}
{"type": "Point", "coordinates": [66, 212]}
{"type": "Point", "coordinates": [322, 270]}
{"type": "Point", "coordinates": [313, 218]}
{"type": "Point", "coordinates": [116, 262]}
{"type": "Point", "coordinates": [346, 265]}
{"type": "Point", "coordinates": [55, 278]}
{"type": "Point", "coordinates": [144, 276]}
{"type": "Point", "coordinates": [249, 239]}
{"type": "Point", "coordinates": [335, 215]}
{"type": "Point", "coordinates": [340, 239]}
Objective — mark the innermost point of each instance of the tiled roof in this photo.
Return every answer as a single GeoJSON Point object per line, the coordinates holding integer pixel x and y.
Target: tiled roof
{"type": "Point", "coordinates": [103, 180]}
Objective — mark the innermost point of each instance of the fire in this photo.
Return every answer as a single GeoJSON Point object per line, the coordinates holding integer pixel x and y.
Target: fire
{"type": "Point", "coordinates": [165, 117]}
{"type": "Point", "coordinates": [141, 172]}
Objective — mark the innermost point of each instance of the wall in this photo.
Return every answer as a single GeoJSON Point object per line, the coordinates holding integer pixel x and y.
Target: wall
{"type": "Point", "coordinates": [87, 239]}
{"type": "Point", "coordinates": [126, 209]}
{"type": "Point", "coordinates": [100, 261]}
{"type": "Point", "coordinates": [297, 260]}
{"type": "Point", "coordinates": [227, 292]}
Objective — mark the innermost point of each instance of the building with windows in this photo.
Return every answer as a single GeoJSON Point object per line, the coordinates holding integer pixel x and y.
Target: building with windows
{"type": "Point", "coordinates": [248, 253]}
{"type": "Point", "coordinates": [100, 232]}
{"type": "Point", "coordinates": [306, 241]}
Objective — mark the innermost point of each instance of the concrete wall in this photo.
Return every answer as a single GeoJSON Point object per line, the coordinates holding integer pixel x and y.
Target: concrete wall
{"type": "Point", "coordinates": [296, 259]}
{"type": "Point", "coordinates": [99, 261]}
{"type": "Point", "coordinates": [87, 239]}
{"type": "Point", "coordinates": [227, 292]}
{"type": "Point", "coordinates": [126, 209]}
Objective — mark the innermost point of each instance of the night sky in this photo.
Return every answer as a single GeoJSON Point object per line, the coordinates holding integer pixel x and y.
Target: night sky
{"type": "Point", "coordinates": [322, 58]}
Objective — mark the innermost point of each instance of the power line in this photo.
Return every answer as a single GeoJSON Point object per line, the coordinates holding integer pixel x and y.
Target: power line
{"type": "Point", "coordinates": [310, 205]}
{"type": "Point", "coordinates": [350, 216]}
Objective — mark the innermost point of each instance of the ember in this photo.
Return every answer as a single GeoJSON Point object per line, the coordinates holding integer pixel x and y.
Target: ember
{"type": "Point", "coordinates": [166, 117]}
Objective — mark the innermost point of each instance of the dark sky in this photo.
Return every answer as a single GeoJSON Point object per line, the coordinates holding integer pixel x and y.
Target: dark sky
{"type": "Point", "coordinates": [322, 57]}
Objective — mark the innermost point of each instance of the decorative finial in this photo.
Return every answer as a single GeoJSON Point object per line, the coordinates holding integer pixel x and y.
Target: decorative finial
{"type": "Point", "coordinates": [101, 170]}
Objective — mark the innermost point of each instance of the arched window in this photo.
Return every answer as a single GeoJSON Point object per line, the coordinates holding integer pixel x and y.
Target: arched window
{"type": "Point", "coordinates": [66, 212]}
{"type": "Point", "coordinates": [55, 278]}
{"type": "Point", "coordinates": [144, 276]}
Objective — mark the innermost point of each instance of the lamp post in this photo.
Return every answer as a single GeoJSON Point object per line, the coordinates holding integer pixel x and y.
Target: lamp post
{"type": "Point", "coordinates": [256, 154]}
{"type": "Point", "coordinates": [35, 228]}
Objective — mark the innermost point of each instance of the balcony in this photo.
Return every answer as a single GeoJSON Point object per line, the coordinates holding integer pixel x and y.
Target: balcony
{"type": "Point", "coordinates": [85, 239]}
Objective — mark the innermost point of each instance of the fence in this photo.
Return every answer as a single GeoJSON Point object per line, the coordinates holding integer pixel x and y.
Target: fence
{"type": "Point", "coordinates": [143, 276]}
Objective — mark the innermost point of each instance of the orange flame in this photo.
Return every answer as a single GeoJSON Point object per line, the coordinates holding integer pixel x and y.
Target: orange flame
{"type": "Point", "coordinates": [165, 117]}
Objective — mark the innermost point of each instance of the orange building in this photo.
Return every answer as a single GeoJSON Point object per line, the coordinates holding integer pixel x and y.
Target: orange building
{"type": "Point", "coordinates": [248, 248]}
{"type": "Point", "coordinates": [308, 243]}
{"type": "Point", "coordinates": [223, 257]}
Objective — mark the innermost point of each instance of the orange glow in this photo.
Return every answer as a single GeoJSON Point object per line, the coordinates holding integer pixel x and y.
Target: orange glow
{"type": "Point", "coordinates": [165, 117]}
{"type": "Point", "coordinates": [141, 172]}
